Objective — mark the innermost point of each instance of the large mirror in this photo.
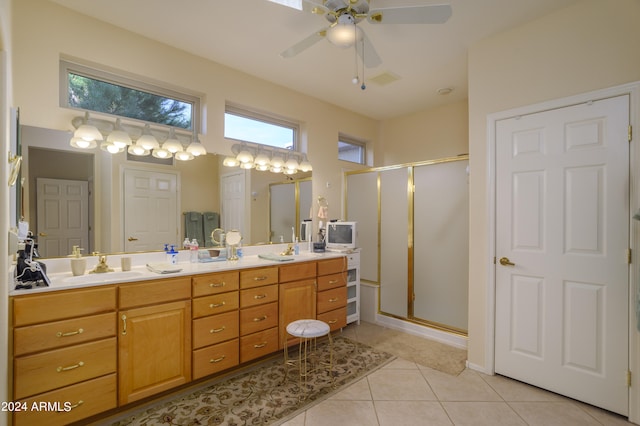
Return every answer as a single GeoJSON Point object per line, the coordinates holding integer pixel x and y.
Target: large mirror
{"type": "Point", "coordinates": [92, 198]}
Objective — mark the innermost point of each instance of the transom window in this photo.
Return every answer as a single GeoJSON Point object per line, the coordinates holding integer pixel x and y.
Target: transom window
{"type": "Point", "coordinates": [101, 91]}
{"type": "Point", "coordinates": [249, 126]}
{"type": "Point", "coordinates": [351, 150]}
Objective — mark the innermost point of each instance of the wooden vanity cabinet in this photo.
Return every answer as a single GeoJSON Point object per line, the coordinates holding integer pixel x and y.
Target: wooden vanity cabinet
{"type": "Point", "coordinates": [258, 312]}
{"type": "Point", "coordinates": [215, 322]}
{"type": "Point", "coordinates": [297, 295]}
{"type": "Point", "coordinates": [332, 292]}
{"type": "Point", "coordinates": [64, 353]}
{"type": "Point", "coordinates": [154, 337]}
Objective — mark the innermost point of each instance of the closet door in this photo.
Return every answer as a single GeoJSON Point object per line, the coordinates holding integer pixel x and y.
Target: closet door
{"type": "Point", "coordinates": [441, 244]}
{"type": "Point", "coordinates": [394, 241]}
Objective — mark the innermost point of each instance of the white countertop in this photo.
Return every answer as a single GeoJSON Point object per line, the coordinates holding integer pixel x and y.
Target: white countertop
{"type": "Point", "coordinates": [59, 270]}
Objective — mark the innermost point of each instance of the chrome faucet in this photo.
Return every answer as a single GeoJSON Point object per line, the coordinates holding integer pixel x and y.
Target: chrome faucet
{"type": "Point", "coordinates": [102, 266]}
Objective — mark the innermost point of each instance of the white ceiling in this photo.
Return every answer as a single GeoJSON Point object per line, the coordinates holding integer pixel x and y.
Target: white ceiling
{"type": "Point", "coordinates": [249, 35]}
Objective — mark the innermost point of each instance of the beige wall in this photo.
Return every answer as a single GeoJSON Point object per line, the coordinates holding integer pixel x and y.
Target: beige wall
{"type": "Point", "coordinates": [590, 45]}
{"type": "Point", "coordinates": [425, 135]}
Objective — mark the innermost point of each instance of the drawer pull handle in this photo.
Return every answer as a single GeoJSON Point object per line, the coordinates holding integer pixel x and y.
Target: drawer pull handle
{"type": "Point", "coordinates": [124, 324]}
{"type": "Point", "coordinates": [222, 284]}
{"type": "Point", "coordinates": [259, 296]}
{"type": "Point", "coordinates": [260, 345]}
{"type": "Point", "coordinates": [335, 299]}
{"type": "Point", "coordinates": [262, 318]}
{"type": "Point", "coordinates": [71, 367]}
{"type": "Point", "coordinates": [79, 403]}
{"type": "Point", "coordinates": [333, 321]}
{"type": "Point", "coordinates": [213, 361]}
{"type": "Point", "coordinates": [69, 333]}
{"type": "Point", "coordinates": [334, 281]}
{"type": "Point", "coordinates": [262, 278]}
{"type": "Point", "coordinates": [217, 305]}
{"type": "Point", "coordinates": [217, 330]}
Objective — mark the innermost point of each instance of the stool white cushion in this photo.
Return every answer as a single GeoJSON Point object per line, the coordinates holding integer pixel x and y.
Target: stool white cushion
{"type": "Point", "coordinates": [308, 328]}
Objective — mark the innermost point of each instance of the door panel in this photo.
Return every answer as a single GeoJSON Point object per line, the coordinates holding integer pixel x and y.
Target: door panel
{"type": "Point", "coordinates": [562, 215]}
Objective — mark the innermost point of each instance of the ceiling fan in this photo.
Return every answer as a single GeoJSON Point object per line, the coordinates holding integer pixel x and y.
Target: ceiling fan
{"type": "Point", "coordinates": [344, 15]}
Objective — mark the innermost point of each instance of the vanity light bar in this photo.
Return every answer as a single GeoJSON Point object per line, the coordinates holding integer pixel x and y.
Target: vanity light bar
{"type": "Point", "coordinates": [265, 158]}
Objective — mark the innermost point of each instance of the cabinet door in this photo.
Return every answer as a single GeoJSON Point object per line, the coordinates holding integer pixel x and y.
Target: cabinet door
{"type": "Point", "coordinates": [154, 345]}
{"type": "Point", "coordinates": [297, 301]}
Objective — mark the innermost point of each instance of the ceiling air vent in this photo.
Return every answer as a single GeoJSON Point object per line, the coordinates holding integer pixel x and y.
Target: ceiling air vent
{"type": "Point", "coordinates": [385, 78]}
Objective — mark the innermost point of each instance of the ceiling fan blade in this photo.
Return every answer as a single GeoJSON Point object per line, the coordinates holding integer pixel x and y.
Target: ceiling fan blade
{"type": "Point", "coordinates": [304, 44]}
{"type": "Point", "coordinates": [313, 7]}
{"type": "Point", "coordinates": [370, 56]}
{"type": "Point", "coordinates": [429, 14]}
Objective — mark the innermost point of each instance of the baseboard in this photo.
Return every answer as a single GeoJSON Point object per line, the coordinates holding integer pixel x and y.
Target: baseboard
{"type": "Point", "coordinates": [422, 331]}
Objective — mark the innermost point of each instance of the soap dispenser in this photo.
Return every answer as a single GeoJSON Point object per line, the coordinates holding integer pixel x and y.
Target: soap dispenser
{"type": "Point", "coordinates": [78, 263]}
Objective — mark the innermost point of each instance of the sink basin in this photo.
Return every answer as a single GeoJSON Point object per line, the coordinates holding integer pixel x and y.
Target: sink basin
{"type": "Point", "coordinates": [101, 278]}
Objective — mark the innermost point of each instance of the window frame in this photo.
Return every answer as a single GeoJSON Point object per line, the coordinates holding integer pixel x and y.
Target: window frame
{"type": "Point", "coordinates": [130, 82]}
{"type": "Point", "coordinates": [353, 142]}
{"type": "Point", "coordinates": [272, 119]}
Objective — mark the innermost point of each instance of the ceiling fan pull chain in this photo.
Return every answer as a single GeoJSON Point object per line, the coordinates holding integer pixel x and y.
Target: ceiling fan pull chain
{"type": "Point", "coordinates": [363, 86]}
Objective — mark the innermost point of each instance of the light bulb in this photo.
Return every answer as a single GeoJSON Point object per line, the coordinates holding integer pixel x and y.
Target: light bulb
{"type": "Point", "coordinates": [355, 80]}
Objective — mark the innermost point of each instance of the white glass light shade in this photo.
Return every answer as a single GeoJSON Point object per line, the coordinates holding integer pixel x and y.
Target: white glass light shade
{"type": "Point", "coordinates": [230, 162]}
{"type": "Point", "coordinates": [305, 166]}
{"type": "Point", "coordinates": [196, 148]}
{"type": "Point", "coordinates": [345, 33]}
{"type": "Point", "coordinates": [291, 164]}
{"type": "Point", "coordinates": [184, 156]}
{"type": "Point", "coordinates": [161, 153]}
{"type": "Point", "coordinates": [136, 149]}
{"type": "Point", "coordinates": [277, 161]}
{"type": "Point", "coordinates": [289, 171]}
{"type": "Point", "coordinates": [262, 167]}
{"type": "Point", "coordinates": [245, 156]}
{"type": "Point", "coordinates": [172, 145]}
{"type": "Point", "coordinates": [119, 138]}
{"type": "Point", "coordinates": [248, 165]}
{"type": "Point", "coordinates": [88, 133]}
{"type": "Point", "coordinates": [148, 142]}
{"type": "Point", "coordinates": [276, 169]}
{"type": "Point", "coordinates": [111, 148]}
{"type": "Point", "coordinates": [262, 159]}
{"type": "Point", "coordinates": [82, 144]}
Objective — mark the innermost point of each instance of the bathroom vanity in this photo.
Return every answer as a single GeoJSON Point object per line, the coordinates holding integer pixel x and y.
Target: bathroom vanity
{"type": "Point", "coordinates": [98, 344]}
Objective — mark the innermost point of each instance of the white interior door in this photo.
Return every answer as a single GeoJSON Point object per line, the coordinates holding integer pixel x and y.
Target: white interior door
{"type": "Point", "coordinates": [62, 216]}
{"type": "Point", "coordinates": [562, 220]}
{"type": "Point", "coordinates": [232, 196]}
{"type": "Point", "coordinates": [150, 210]}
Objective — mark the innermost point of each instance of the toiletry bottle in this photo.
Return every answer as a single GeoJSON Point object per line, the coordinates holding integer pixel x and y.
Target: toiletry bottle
{"type": "Point", "coordinates": [296, 248]}
{"type": "Point", "coordinates": [172, 255]}
{"type": "Point", "coordinates": [186, 243]}
{"type": "Point", "coordinates": [193, 251]}
{"type": "Point", "coordinates": [78, 263]}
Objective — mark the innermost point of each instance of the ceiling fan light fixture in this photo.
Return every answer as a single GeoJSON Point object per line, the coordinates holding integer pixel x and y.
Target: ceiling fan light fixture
{"type": "Point", "coordinates": [345, 33]}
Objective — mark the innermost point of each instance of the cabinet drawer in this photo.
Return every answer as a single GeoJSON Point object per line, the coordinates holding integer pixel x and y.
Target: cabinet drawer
{"type": "Point", "coordinates": [34, 309]}
{"type": "Point", "coordinates": [327, 282]}
{"type": "Point", "coordinates": [332, 299]}
{"type": "Point", "coordinates": [332, 266]}
{"type": "Point", "coordinates": [34, 374]}
{"type": "Point", "coordinates": [216, 304]}
{"type": "Point", "coordinates": [36, 338]}
{"type": "Point", "coordinates": [297, 271]}
{"type": "Point", "coordinates": [214, 359]}
{"type": "Point", "coordinates": [258, 296]}
{"type": "Point", "coordinates": [258, 344]}
{"type": "Point", "coordinates": [204, 285]}
{"type": "Point", "coordinates": [84, 400]}
{"type": "Point", "coordinates": [258, 277]}
{"type": "Point", "coordinates": [336, 318]}
{"type": "Point", "coordinates": [153, 292]}
{"type": "Point", "coordinates": [258, 318]}
{"type": "Point", "coordinates": [215, 329]}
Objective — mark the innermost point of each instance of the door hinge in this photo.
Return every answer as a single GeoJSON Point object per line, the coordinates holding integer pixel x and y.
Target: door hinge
{"type": "Point", "coordinates": [629, 378]}
{"type": "Point", "coordinates": [630, 135]}
{"type": "Point", "coordinates": [629, 256]}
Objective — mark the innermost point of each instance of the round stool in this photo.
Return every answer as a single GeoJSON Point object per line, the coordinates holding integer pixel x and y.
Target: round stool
{"type": "Point", "coordinates": [307, 330]}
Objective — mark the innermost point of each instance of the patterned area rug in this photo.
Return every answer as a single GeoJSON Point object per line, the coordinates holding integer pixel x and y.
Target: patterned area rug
{"type": "Point", "coordinates": [262, 396]}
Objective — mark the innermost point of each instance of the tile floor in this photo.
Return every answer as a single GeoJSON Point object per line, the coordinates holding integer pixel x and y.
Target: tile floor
{"type": "Point", "coordinates": [406, 393]}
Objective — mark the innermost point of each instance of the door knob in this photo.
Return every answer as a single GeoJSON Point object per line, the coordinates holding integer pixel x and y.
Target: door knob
{"type": "Point", "coordinates": [504, 261]}
{"type": "Point", "coordinates": [42, 234]}
{"type": "Point", "coordinates": [132, 239]}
